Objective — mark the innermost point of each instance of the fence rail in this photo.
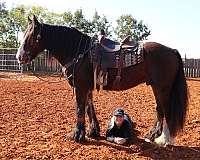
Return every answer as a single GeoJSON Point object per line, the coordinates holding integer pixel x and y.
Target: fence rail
{"type": "Point", "coordinates": [43, 63]}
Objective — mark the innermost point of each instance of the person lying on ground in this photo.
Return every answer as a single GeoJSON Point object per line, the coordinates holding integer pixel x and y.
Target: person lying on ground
{"type": "Point", "coordinates": [120, 128]}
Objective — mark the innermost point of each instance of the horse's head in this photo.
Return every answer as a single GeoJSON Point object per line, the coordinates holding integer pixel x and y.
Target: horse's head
{"type": "Point", "coordinates": [31, 44]}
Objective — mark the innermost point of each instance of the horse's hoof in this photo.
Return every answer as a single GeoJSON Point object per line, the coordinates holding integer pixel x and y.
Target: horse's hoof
{"type": "Point", "coordinates": [147, 140]}
{"type": "Point", "coordinates": [81, 139]}
{"type": "Point", "coordinates": [152, 135]}
{"type": "Point", "coordinates": [149, 137]}
{"type": "Point", "coordinates": [164, 141]}
{"type": "Point", "coordinates": [93, 133]}
{"type": "Point", "coordinates": [78, 136]}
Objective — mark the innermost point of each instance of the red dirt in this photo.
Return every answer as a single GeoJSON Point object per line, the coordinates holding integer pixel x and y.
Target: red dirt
{"type": "Point", "coordinates": [36, 117]}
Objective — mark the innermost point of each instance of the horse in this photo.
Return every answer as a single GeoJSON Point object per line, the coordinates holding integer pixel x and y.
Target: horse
{"type": "Point", "coordinates": [162, 68]}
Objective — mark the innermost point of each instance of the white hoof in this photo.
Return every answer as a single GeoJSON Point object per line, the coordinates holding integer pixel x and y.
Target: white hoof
{"type": "Point", "coordinates": [165, 139]}
{"type": "Point", "coordinates": [147, 140]}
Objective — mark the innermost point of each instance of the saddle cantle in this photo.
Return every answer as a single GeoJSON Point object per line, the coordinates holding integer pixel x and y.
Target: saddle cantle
{"type": "Point", "coordinates": [110, 45]}
{"type": "Point", "coordinates": [127, 43]}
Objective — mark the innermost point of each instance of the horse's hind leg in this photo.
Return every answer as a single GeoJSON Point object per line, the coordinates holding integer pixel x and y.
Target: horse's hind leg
{"type": "Point", "coordinates": [158, 124]}
{"type": "Point", "coordinates": [160, 132]}
{"type": "Point", "coordinates": [165, 137]}
{"type": "Point", "coordinates": [94, 128]}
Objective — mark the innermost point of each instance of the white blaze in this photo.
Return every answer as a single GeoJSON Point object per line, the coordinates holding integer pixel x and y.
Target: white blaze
{"type": "Point", "coordinates": [20, 51]}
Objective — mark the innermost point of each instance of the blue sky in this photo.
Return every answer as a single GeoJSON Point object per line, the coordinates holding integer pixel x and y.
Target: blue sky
{"type": "Point", "coordinates": [175, 23]}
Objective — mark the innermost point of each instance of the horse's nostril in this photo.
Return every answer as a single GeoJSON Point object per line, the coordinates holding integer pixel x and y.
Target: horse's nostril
{"type": "Point", "coordinates": [20, 57]}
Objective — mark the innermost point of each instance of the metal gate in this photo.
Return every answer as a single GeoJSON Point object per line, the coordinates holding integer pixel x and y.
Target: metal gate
{"type": "Point", "coordinates": [43, 63]}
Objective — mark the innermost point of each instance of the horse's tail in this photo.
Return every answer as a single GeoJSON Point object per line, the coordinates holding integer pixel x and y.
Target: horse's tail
{"type": "Point", "coordinates": [178, 102]}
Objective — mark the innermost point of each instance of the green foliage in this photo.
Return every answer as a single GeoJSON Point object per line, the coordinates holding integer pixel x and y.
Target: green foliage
{"type": "Point", "coordinates": [4, 20]}
{"type": "Point", "coordinates": [99, 23]}
{"type": "Point", "coordinates": [13, 22]}
{"type": "Point", "coordinates": [80, 22]}
{"type": "Point", "coordinates": [127, 25]}
{"type": "Point", "coordinates": [17, 23]}
{"type": "Point", "coordinates": [67, 18]}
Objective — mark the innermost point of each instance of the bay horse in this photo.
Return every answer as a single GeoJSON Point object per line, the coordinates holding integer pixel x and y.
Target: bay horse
{"type": "Point", "coordinates": [162, 68]}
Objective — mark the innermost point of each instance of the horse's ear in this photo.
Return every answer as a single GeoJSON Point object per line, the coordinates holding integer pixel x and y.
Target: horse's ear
{"type": "Point", "coordinates": [35, 19]}
{"type": "Point", "coordinates": [29, 20]}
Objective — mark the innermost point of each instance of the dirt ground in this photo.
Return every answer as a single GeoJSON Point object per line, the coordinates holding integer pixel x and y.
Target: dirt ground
{"type": "Point", "coordinates": [36, 119]}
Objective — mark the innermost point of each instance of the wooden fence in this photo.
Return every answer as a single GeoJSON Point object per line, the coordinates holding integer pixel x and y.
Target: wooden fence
{"type": "Point", "coordinates": [43, 63]}
{"type": "Point", "coordinates": [192, 68]}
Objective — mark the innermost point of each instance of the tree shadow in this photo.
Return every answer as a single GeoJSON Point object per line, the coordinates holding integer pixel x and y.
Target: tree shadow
{"type": "Point", "coordinates": [171, 152]}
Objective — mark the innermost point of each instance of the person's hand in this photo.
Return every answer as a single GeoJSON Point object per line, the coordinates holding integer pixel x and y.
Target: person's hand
{"type": "Point", "coordinates": [119, 140]}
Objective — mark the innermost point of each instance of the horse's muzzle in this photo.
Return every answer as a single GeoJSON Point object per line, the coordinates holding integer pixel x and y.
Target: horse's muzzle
{"type": "Point", "coordinates": [23, 58]}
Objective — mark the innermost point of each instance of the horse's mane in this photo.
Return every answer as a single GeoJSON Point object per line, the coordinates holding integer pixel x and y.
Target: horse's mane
{"type": "Point", "coordinates": [58, 36]}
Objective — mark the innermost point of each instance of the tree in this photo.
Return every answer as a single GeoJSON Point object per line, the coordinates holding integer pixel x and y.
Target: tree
{"type": "Point", "coordinates": [17, 23]}
{"type": "Point", "coordinates": [127, 25]}
{"type": "Point", "coordinates": [67, 18]}
{"type": "Point", "coordinates": [13, 22]}
{"type": "Point", "coordinates": [4, 19]}
{"type": "Point", "coordinates": [99, 23]}
{"type": "Point", "coordinates": [38, 11]}
{"type": "Point", "coordinates": [54, 18]}
{"type": "Point", "coordinates": [80, 22]}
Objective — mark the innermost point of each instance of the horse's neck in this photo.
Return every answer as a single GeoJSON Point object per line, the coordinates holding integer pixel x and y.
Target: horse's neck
{"type": "Point", "coordinates": [58, 40]}
{"type": "Point", "coordinates": [65, 43]}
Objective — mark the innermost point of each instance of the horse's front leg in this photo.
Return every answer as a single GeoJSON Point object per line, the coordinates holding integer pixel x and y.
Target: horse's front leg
{"type": "Point", "coordinates": [94, 128]}
{"type": "Point", "coordinates": [79, 132]}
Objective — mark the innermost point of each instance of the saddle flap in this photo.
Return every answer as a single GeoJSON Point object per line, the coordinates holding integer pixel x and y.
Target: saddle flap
{"type": "Point", "coordinates": [108, 58]}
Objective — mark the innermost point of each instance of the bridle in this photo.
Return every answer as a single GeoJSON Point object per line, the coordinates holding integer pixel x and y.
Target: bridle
{"type": "Point", "coordinates": [38, 38]}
